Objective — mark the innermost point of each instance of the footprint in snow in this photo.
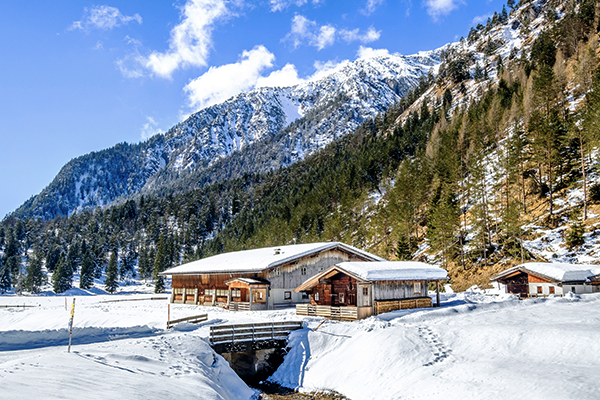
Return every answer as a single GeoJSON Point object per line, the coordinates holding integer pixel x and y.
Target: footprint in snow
{"type": "Point", "coordinates": [439, 351]}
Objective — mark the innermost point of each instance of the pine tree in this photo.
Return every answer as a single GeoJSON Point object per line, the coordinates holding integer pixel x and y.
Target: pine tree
{"type": "Point", "coordinates": [62, 277]}
{"type": "Point", "coordinates": [5, 281]}
{"type": "Point", "coordinates": [52, 258]}
{"type": "Point", "coordinates": [575, 236]}
{"type": "Point", "coordinates": [159, 287]}
{"type": "Point", "coordinates": [86, 278]}
{"type": "Point", "coordinates": [112, 272]}
{"type": "Point", "coordinates": [146, 263]}
{"type": "Point", "coordinates": [443, 223]}
{"type": "Point", "coordinates": [12, 255]}
{"type": "Point", "coordinates": [35, 277]}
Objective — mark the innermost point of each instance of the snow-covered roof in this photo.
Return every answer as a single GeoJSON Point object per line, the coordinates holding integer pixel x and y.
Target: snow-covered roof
{"type": "Point", "coordinates": [559, 272]}
{"type": "Point", "coordinates": [380, 271]}
{"type": "Point", "coordinates": [258, 260]}
{"type": "Point", "coordinates": [394, 271]}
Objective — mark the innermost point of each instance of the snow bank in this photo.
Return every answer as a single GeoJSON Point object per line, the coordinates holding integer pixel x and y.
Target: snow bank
{"type": "Point", "coordinates": [474, 347]}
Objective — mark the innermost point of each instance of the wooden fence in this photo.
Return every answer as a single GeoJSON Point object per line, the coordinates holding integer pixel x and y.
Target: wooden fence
{"type": "Point", "coordinates": [394, 305]}
{"type": "Point", "coordinates": [143, 299]}
{"type": "Point", "coordinates": [342, 313]}
{"type": "Point", "coordinates": [192, 320]}
{"type": "Point", "coordinates": [239, 306]}
{"type": "Point", "coordinates": [252, 332]}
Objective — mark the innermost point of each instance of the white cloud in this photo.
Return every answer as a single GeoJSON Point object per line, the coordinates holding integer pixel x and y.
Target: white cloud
{"type": "Point", "coordinates": [150, 128]}
{"type": "Point", "coordinates": [99, 45]}
{"type": "Point", "coordinates": [307, 31]}
{"type": "Point", "coordinates": [280, 5]}
{"type": "Point", "coordinates": [354, 35]}
{"type": "Point", "coordinates": [220, 83]}
{"type": "Point", "coordinates": [103, 17]}
{"type": "Point", "coordinates": [286, 76]}
{"type": "Point", "coordinates": [367, 52]}
{"type": "Point", "coordinates": [325, 38]}
{"type": "Point", "coordinates": [371, 6]}
{"type": "Point", "coordinates": [191, 39]}
{"type": "Point", "coordinates": [436, 8]}
{"type": "Point", "coordinates": [132, 41]}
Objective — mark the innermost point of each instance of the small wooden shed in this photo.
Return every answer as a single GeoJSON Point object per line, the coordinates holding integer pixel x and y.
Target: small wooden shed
{"type": "Point", "coordinates": [544, 279]}
{"type": "Point", "coordinates": [357, 290]}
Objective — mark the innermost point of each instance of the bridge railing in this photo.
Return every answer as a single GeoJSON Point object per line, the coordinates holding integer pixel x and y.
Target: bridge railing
{"type": "Point", "coordinates": [252, 332]}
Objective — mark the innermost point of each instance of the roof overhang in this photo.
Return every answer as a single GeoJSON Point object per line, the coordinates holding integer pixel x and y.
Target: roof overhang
{"type": "Point", "coordinates": [336, 269]}
{"type": "Point", "coordinates": [520, 269]}
{"type": "Point", "coordinates": [248, 282]}
{"type": "Point", "coordinates": [328, 273]}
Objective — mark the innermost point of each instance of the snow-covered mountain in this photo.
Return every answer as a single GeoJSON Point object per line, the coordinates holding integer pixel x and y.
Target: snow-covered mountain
{"type": "Point", "coordinates": [297, 121]}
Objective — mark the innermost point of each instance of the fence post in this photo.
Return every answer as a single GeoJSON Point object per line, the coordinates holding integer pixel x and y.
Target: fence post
{"type": "Point", "coordinates": [71, 324]}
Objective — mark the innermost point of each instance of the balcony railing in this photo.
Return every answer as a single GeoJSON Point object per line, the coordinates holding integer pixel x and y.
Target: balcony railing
{"type": "Point", "coordinates": [345, 313]}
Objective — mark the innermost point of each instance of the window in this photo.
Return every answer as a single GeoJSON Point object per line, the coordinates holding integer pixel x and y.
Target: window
{"type": "Point", "coordinates": [259, 295]}
{"type": "Point", "coordinates": [417, 287]}
{"type": "Point", "coordinates": [303, 270]}
{"type": "Point", "coordinates": [222, 293]}
{"type": "Point", "coordinates": [287, 295]}
{"type": "Point", "coordinates": [540, 290]}
{"type": "Point", "coordinates": [317, 296]}
{"type": "Point", "coordinates": [209, 292]}
{"type": "Point", "coordinates": [341, 297]}
{"type": "Point", "coordinates": [551, 289]}
{"type": "Point", "coordinates": [573, 289]}
{"type": "Point", "coordinates": [277, 271]}
{"type": "Point", "coordinates": [305, 296]}
{"type": "Point", "coordinates": [236, 293]}
{"type": "Point", "coordinates": [365, 291]}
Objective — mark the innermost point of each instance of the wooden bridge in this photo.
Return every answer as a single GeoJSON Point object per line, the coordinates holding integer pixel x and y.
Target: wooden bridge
{"type": "Point", "coordinates": [243, 337]}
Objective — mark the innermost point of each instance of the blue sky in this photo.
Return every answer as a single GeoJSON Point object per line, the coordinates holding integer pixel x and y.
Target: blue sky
{"type": "Point", "coordinates": [79, 76]}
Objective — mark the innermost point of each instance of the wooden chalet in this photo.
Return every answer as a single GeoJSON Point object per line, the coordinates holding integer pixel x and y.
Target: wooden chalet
{"type": "Point", "coordinates": [357, 290]}
{"type": "Point", "coordinates": [545, 279]}
{"type": "Point", "coordinates": [258, 279]}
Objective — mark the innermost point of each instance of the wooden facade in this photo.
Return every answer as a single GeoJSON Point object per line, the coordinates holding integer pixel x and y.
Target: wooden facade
{"type": "Point", "coordinates": [525, 281]}
{"type": "Point", "coordinates": [212, 288]}
{"type": "Point", "coordinates": [338, 294]}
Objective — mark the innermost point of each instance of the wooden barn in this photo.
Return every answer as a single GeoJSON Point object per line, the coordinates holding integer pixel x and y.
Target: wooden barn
{"type": "Point", "coordinates": [260, 278]}
{"type": "Point", "coordinates": [545, 279]}
{"type": "Point", "coordinates": [357, 290]}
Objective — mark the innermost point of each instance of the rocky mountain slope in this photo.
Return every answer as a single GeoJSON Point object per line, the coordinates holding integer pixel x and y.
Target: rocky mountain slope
{"type": "Point", "coordinates": [313, 114]}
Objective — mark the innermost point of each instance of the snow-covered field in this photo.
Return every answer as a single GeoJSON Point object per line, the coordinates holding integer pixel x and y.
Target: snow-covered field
{"type": "Point", "coordinates": [473, 347]}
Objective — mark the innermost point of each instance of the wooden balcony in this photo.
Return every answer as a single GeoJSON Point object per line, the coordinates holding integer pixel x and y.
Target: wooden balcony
{"type": "Point", "coordinates": [348, 313]}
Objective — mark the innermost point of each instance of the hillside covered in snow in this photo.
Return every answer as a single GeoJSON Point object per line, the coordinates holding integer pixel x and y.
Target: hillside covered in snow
{"type": "Point", "coordinates": [474, 346]}
{"type": "Point", "coordinates": [291, 122]}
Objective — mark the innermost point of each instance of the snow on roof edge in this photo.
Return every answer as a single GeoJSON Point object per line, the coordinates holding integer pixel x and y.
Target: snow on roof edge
{"type": "Point", "coordinates": [187, 269]}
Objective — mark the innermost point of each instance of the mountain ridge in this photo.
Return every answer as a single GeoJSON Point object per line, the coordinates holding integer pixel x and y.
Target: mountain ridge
{"type": "Point", "coordinates": [367, 87]}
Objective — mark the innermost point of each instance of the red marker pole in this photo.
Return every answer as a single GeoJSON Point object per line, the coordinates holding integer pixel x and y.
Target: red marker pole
{"type": "Point", "coordinates": [71, 324]}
